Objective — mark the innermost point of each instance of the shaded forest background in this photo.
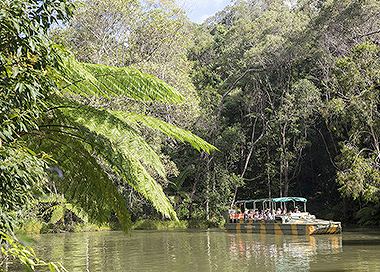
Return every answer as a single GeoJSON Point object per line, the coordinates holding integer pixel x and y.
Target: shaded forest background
{"type": "Point", "coordinates": [288, 91]}
{"type": "Point", "coordinates": [98, 98]}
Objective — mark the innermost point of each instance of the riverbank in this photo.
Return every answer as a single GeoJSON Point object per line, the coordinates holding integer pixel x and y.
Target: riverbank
{"type": "Point", "coordinates": [154, 224]}
{"type": "Point", "coordinates": [38, 227]}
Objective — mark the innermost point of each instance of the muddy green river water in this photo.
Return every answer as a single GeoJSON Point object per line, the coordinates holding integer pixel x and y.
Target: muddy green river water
{"type": "Point", "coordinates": [214, 250]}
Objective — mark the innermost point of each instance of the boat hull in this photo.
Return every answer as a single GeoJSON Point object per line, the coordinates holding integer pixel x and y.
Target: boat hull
{"type": "Point", "coordinates": [284, 228]}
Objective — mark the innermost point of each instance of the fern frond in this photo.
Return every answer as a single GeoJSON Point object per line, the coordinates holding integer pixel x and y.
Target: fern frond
{"type": "Point", "coordinates": [122, 136]}
{"type": "Point", "coordinates": [170, 130]}
{"type": "Point", "coordinates": [130, 170]}
{"type": "Point", "coordinates": [109, 139]}
{"type": "Point", "coordinates": [106, 81]}
{"type": "Point", "coordinates": [119, 161]}
{"type": "Point", "coordinates": [84, 182]}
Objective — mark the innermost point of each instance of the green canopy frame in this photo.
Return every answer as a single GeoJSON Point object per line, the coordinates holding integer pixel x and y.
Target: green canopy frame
{"type": "Point", "coordinates": [273, 201]}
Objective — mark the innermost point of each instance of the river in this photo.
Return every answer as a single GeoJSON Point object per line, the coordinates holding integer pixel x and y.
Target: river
{"type": "Point", "coordinates": [214, 250]}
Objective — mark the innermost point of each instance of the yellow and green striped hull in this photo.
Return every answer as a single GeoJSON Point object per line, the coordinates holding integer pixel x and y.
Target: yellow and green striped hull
{"type": "Point", "coordinates": [284, 229]}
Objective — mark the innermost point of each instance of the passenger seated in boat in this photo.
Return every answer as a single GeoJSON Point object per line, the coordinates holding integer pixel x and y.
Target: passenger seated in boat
{"type": "Point", "coordinates": [279, 211]}
{"type": "Point", "coordinates": [259, 216]}
{"type": "Point", "coordinates": [256, 215]}
{"type": "Point", "coordinates": [234, 216]}
{"type": "Point", "coordinates": [251, 214]}
{"type": "Point", "coordinates": [296, 210]}
{"type": "Point", "coordinates": [270, 217]}
{"type": "Point", "coordinates": [263, 215]}
{"type": "Point", "coordinates": [246, 215]}
{"type": "Point", "coordinates": [268, 214]}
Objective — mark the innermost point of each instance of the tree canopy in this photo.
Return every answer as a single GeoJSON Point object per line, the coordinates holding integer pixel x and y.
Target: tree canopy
{"type": "Point", "coordinates": [61, 128]}
{"type": "Point", "coordinates": [97, 95]}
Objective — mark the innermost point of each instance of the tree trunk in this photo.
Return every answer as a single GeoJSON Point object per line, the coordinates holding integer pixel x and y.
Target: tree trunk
{"type": "Point", "coordinates": [268, 176]}
{"type": "Point", "coordinates": [280, 185]}
{"type": "Point", "coordinates": [286, 178]}
{"type": "Point", "coordinates": [208, 190]}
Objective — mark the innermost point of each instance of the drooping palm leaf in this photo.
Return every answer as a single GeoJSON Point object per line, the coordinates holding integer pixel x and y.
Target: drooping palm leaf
{"type": "Point", "coordinates": [122, 135]}
{"type": "Point", "coordinates": [106, 81]}
{"type": "Point", "coordinates": [129, 169]}
{"type": "Point", "coordinates": [84, 182]}
{"type": "Point", "coordinates": [170, 130]}
{"type": "Point", "coordinates": [114, 146]}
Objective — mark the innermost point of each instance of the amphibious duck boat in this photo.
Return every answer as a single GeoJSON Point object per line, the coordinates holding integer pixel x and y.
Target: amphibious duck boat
{"type": "Point", "coordinates": [274, 218]}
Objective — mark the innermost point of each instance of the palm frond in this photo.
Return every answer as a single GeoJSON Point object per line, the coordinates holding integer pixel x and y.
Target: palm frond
{"type": "Point", "coordinates": [170, 130]}
{"type": "Point", "coordinates": [84, 182]}
{"type": "Point", "coordinates": [130, 170]}
{"type": "Point", "coordinates": [122, 136]}
{"type": "Point", "coordinates": [118, 161]}
{"type": "Point", "coordinates": [87, 79]}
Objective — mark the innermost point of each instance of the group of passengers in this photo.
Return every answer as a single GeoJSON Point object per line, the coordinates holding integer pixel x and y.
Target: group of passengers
{"type": "Point", "coordinates": [266, 214]}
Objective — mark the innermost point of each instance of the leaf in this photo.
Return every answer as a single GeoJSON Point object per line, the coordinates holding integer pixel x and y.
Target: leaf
{"type": "Point", "coordinates": [57, 214]}
{"type": "Point", "coordinates": [106, 81]}
{"type": "Point", "coordinates": [123, 136]}
{"type": "Point", "coordinates": [166, 128]}
{"type": "Point", "coordinates": [85, 183]}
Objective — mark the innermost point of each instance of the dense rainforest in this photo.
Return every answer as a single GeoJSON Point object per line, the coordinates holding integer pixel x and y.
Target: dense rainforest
{"type": "Point", "coordinates": [98, 97]}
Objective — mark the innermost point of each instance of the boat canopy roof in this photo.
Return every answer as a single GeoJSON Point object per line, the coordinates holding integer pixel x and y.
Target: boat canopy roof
{"type": "Point", "coordinates": [288, 199]}
{"type": "Point", "coordinates": [277, 200]}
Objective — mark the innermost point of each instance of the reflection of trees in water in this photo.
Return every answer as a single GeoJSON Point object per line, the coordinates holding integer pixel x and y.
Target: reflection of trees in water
{"type": "Point", "coordinates": [360, 252]}
{"type": "Point", "coordinates": [185, 251]}
{"type": "Point", "coordinates": [280, 253]}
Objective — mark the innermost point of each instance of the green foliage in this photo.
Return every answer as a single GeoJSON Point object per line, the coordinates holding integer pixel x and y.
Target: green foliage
{"type": "Point", "coordinates": [25, 55]}
{"type": "Point", "coordinates": [52, 104]}
{"type": "Point", "coordinates": [24, 59]}
{"type": "Point", "coordinates": [369, 216]}
{"type": "Point", "coordinates": [59, 207]}
{"type": "Point", "coordinates": [153, 37]}
{"type": "Point", "coordinates": [168, 129]}
{"type": "Point", "coordinates": [82, 180]}
{"type": "Point", "coordinates": [121, 158]}
{"type": "Point", "coordinates": [355, 117]}
{"type": "Point", "coordinates": [359, 177]}
{"type": "Point", "coordinates": [18, 186]}
{"type": "Point", "coordinates": [91, 80]}
{"type": "Point", "coordinates": [118, 145]}
{"type": "Point", "coordinates": [30, 226]}
{"type": "Point", "coordinates": [12, 249]}
{"type": "Point", "coordinates": [87, 227]}
{"type": "Point", "coordinates": [290, 96]}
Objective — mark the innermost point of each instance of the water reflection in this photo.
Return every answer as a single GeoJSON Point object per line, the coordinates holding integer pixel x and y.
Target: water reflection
{"type": "Point", "coordinates": [279, 253]}
{"type": "Point", "coordinates": [207, 251]}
